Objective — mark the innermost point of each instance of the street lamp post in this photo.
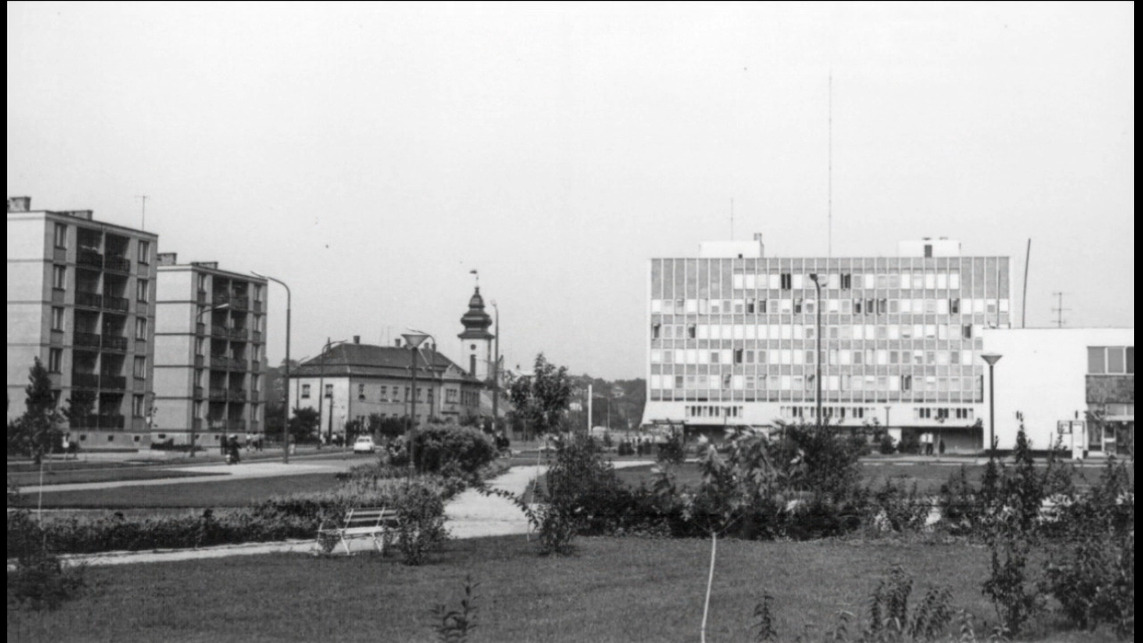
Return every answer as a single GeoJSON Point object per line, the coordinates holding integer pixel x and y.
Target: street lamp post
{"type": "Point", "coordinates": [321, 391]}
{"type": "Point", "coordinates": [198, 318]}
{"type": "Point", "coordinates": [286, 381]}
{"type": "Point", "coordinates": [991, 358]}
{"type": "Point", "coordinates": [818, 352]}
{"type": "Point", "coordinates": [414, 340]}
{"type": "Point", "coordinates": [496, 373]}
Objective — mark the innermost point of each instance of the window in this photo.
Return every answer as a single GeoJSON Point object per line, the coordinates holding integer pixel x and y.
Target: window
{"type": "Point", "coordinates": [305, 391]}
{"type": "Point", "coordinates": [55, 360]}
{"type": "Point", "coordinates": [59, 277]}
{"type": "Point", "coordinates": [140, 328]}
{"type": "Point", "coordinates": [57, 318]}
{"type": "Point", "coordinates": [1131, 360]}
{"type": "Point", "coordinates": [142, 289]}
{"type": "Point", "coordinates": [361, 391]}
{"type": "Point", "coordinates": [846, 281]}
{"type": "Point", "coordinates": [787, 281]}
{"type": "Point", "coordinates": [655, 330]}
{"type": "Point", "coordinates": [140, 367]}
{"type": "Point", "coordinates": [61, 235]}
{"type": "Point", "coordinates": [137, 406]}
{"type": "Point", "coordinates": [329, 390]}
{"type": "Point", "coordinates": [144, 252]}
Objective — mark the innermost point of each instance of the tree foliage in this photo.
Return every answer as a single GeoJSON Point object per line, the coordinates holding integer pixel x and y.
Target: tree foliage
{"type": "Point", "coordinates": [38, 429]}
{"type": "Point", "coordinates": [542, 398]}
{"type": "Point", "coordinates": [304, 424]}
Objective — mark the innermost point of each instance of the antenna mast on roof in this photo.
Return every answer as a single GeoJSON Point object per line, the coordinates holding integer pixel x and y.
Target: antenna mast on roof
{"type": "Point", "coordinates": [1059, 309]}
{"type": "Point", "coordinates": [829, 181]}
{"type": "Point", "coordinates": [143, 214]}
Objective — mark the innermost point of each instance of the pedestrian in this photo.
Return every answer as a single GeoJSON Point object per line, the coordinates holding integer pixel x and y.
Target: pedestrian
{"type": "Point", "coordinates": [941, 446]}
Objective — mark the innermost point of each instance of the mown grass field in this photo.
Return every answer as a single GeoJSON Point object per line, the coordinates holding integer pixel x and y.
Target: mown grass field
{"type": "Point", "coordinates": [213, 493]}
{"type": "Point", "coordinates": [610, 590]}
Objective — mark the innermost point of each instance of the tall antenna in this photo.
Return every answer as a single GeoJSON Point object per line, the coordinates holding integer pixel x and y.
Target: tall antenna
{"type": "Point", "coordinates": [1059, 309]}
{"type": "Point", "coordinates": [1024, 299]}
{"type": "Point", "coordinates": [830, 178]}
{"type": "Point", "coordinates": [143, 214]}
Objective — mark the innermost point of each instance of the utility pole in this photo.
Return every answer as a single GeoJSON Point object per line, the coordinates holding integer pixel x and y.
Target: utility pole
{"type": "Point", "coordinates": [1059, 309]}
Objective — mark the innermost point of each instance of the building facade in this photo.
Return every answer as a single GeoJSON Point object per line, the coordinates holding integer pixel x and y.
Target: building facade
{"type": "Point", "coordinates": [355, 381]}
{"type": "Point", "coordinates": [81, 298]}
{"type": "Point", "coordinates": [733, 335]}
{"type": "Point", "coordinates": [1071, 385]}
{"type": "Point", "coordinates": [210, 353]}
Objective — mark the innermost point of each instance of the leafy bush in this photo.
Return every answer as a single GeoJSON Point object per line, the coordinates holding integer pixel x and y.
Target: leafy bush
{"type": "Point", "coordinates": [820, 460]}
{"type": "Point", "coordinates": [910, 444]}
{"type": "Point", "coordinates": [40, 581]}
{"type": "Point", "coordinates": [899, 508]}
{"type": "Point", "coordinates": [673, 451]}
{"type": "Point", "coordinates": [886, 445]}
{"type": "Point", "coordinates": [420, 521]}
{"type": "Point", "coordinates": [452, 449]}
{"type": "Point", "coordinates": [454, 626]}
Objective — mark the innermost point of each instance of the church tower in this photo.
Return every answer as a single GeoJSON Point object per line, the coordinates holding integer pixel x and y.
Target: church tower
{"type": "Point", "coordinates": [476, 340]}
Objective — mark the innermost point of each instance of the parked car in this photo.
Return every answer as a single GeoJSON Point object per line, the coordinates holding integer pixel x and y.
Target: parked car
{"type": "Point", "coordinates": [364, 444]}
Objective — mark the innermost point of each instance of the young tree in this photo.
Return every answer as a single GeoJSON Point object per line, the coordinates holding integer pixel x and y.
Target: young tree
{"type": "Point", "coordinates": [39, 423]}
{"type": "Point", "coordinates": [542, 397]}
{"type": "Point", "coordinates": [303, 424]}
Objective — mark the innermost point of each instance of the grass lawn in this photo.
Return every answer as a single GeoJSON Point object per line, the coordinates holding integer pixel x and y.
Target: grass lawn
{"type": "Point", "coordinates": [221, 493]}
{"type": "Point", "coordinates": [102, 474]}
{"type": "Point", "coordinates": [610, 590]}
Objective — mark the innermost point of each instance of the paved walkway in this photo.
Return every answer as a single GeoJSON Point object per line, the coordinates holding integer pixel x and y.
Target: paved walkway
{"type": "Point", "coordinates": [469, 515]}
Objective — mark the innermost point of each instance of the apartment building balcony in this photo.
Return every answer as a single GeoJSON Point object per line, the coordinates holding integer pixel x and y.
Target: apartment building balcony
{"type": "Point", "coordinates": [197, 392]}
{"type": "Point", "coordinates": [258, 306]}
{"type": "Point", "coordinates": [89, 258]}
{"type": "Point", "coordinates": [230, 426]}
{"type": "Point", "coordinates": [237, 334]}
{"type": "Point", "coordinates": [116, 304]}
{"type": "Point", "coordinates": [235, 302]}
{"type": "Point", "coordinates": [114, 343]}
{"type": "Point", "coordinates": [199, 328]}
{"type": "Point", "coordinates": [256, 336]}
{"type": "Point", "coordinates": [255, 396]}
{"type": "Point", "coordinates": [236, 394]}
{"type": "Point", "coordinates": [200, 296]}
{"type": "Point", "coordinates": [86, 340]}
{"type": "Point", "coordinates": [113, 382]}
{"type": "Point", "coordinates": [84, 380]}
{"type": "Point", "coordinates": [88, 299]}
{"type": "Point", "coordinates": [218, 395]}
{"type": "Point", "coordinates": [117, 264]}
{"type": "Point", "coordinates": [256, 366]}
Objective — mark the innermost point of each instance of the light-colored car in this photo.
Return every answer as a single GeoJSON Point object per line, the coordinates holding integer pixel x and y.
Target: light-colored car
{"type": "Point", "coordinates": [364, 444]}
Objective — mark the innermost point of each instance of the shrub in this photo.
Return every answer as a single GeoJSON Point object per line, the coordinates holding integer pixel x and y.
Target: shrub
{"type": "Point", "coordinates": [455, 449]}
{"type": "Point", "coordinates": [899, 508]}
{"type": "Point", "coordinates": [420, 522]}
{"type": "Point", "coordinates": [820, 460]}
{"type": "Point", "coordinates": [41, 582]}
{"type": "Point", "coordinates": [910, 444]}
{"type": "Point", "coordinates": [673, 451]}
{"type": "Point", "coordinates": [886, 445]}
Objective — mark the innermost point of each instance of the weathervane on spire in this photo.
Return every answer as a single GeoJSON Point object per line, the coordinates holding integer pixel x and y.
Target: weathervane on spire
{"type": "Point", "coordinates": [474, 272]}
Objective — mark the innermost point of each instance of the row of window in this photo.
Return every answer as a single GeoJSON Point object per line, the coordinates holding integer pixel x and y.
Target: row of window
{"type": "Point", "coordinates": [142, 286]}
{"type": "Point", "coordinates": [143, 247]}
{"type": "Point", "coordinates": [800, 305]}
{"type": "Point", "coordinates": [832, 357]}
{"type": "Point", "coordinates": [203, 280]}
{"type": "Point", "coordinates": [902, 383]}
{"type": "Point", "coordinates": [59, 317]}
{"type": "Point", "coordinates": [829, 412]}
{"type": "Point", "coordinates": [393, 394]}
{"type": "Point", "coordinates": [55, 363]}
{"type": "Point", "coordinates": [788, 331]}
{"type": "Point", "coordinates": [1111, 360]}
{"type": "Point", "coordinates": [711, 411]}
{"type": "Point", "coordinates": [917, 279]}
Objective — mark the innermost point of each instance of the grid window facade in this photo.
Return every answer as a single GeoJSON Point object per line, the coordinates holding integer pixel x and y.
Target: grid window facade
{"type": "Point", "coordinates": [894, 330]}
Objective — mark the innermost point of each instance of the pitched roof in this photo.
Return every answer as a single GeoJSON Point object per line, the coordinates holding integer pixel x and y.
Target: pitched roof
{"type": "Point", "coordinates": [367, 360]}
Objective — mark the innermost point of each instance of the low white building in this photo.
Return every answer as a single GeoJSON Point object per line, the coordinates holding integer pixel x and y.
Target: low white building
{"type": "Point", "coordinates": [1053, 378]}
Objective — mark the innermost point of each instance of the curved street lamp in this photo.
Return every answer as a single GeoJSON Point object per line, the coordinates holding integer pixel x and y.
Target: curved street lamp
{"type": "Point", "coordinates": [286, 381]}
{"type": "Point", "coordinates": [414, 340]}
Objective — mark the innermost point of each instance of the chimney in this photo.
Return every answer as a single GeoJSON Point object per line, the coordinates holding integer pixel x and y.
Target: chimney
{"type": "Point", "coordinates": [19, 203]}
{"type": "Point", "coordinates": [168, 258]}
{"type": "Point", "coordinates": [761, 246]}
{"type": "Point", "coordinates": [397, 342]}
{"type": "Point", "coordinates": [357, 339]}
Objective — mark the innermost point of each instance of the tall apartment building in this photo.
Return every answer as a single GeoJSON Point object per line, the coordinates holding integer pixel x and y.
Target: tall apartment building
{"type": "Point", "coordinates": [80, 297]}
{"type": "Point", "coordinates": [210, 363]}
{"type": "Point", "coordinates": [732, 335]}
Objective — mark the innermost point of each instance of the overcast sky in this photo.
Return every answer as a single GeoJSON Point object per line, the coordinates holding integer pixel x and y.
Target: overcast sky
{"type": "Point", "coordinates": [372, 155]}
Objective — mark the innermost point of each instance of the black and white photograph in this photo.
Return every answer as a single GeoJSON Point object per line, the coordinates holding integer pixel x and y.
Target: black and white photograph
{"type": "Point", "coordinates": [501, 322]}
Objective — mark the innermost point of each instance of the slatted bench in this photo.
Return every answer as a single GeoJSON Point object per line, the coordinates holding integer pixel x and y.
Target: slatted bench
{"type": "Point", "coordinates": [365, 522]}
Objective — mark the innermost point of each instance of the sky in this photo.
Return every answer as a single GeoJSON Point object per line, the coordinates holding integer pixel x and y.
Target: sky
{"type": "Point", "coordinates": [372, 155]}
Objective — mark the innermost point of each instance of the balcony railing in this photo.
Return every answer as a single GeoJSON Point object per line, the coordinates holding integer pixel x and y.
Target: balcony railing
{"type": "Point", "coordinates": [113, 382]}
{"type": "Point", "coordinates": [238, 334]}
{"type": "Point", "coordinates": [238, 426]}
{"type": "Point", "coordinates": [114, 343]}
{"type": "Point", "coordinates": [84, 380]}
{"type": "Point", "coordinates": [89, 258]}
{"type": "Point", "coordinates": [258, 306]}
{"type": "Point", "coordinates": [201, 297]}
{"type": "Point", "coordinates": [198, 392]}
{"type": "Point", "coordinates": [117, 304]}
{"type": "Point", "coordinates": [256, 336]}
{"type": "Point", "coordinates": [89, 340]}
{"type": "Point", "coordinates": [236, 395]}
{"type": "Point", "coordinates": [255, 396]}
{"type": "Point", "coordinates": [117, 264]}
{"type": "Point", "coordinates": [217, 395]}
{"type": "Point", "coordinates": [237, 302]}
{"type": "Point", "coordinates": [88, 299]}
{"type": "Point", "coordinates": [256, 366]}
{"type": "Point", "coordinates": [199, 328]}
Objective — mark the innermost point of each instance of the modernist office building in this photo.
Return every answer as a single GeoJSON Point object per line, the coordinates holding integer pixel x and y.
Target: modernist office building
{"type": "Point", "coordinates": [81, 298]}
{"type": "Point", "coordinates": [732, 335]}
{"type": "Point", "coordinates": [209, 352]}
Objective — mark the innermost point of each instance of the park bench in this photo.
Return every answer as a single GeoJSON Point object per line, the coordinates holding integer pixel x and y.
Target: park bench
{"type": "Point", "coordinates": [365, 522]}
